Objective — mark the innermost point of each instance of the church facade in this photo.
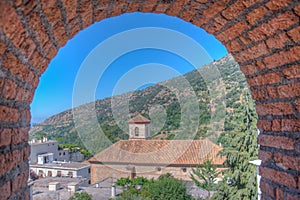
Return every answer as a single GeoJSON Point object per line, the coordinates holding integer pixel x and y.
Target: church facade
{"type": "Point", "coordinates": [141, 156]}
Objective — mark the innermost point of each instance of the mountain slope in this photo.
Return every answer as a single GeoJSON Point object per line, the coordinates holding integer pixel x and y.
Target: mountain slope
{"type": "Point", "coordinates": [165, 103]}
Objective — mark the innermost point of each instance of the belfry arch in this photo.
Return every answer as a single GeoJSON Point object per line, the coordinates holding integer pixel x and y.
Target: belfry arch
{"type": "Point", "coordinates": [262, 35]}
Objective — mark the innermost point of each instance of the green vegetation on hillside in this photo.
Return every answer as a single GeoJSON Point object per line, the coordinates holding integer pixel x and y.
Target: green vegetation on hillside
{"type": "Point", "coordinates": [209, 121]}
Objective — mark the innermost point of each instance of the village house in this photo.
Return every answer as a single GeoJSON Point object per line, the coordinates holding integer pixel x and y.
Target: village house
{"type": "Point", "coordinates": [141, 156]}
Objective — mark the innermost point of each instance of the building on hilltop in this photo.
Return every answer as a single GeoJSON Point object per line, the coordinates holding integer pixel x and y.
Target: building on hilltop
{"type": "Point", "coordinates": [140, 156]}
{"type": "Point", "coordinates": [46, 151]}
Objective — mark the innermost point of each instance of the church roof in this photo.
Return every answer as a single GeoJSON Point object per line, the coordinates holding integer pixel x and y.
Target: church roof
{"type": "Point", "coordinates": [139, 119]}
{"type": "Point", "coordinates": [176, 152]}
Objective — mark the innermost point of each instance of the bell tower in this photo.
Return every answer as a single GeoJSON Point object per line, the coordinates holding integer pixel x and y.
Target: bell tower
{"type": "Point", "coordinates": [139, 128]}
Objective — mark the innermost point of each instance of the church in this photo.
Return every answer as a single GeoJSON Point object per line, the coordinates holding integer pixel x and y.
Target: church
{"type": "Point", "coordinates": [141, 156]}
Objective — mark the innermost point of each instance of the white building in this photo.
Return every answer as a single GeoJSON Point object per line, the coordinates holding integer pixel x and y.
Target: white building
{"type": "Point", "coordinates": [61, 169]}
{"type": "Point", "coordinates": [46, 151]}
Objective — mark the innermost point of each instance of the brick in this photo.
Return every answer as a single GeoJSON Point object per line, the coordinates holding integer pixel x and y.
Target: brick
{"type": "Point", "coordinates": [5, 190]}
{"type": "Point", "coordinates": [10, 90]}
{"type": "Point", "coordinates": [265, 156]}
{"type": "Point", "coordinates": [38, 61]}
{"type": "Point", "coordinates": [292, 72]}
{"type": "Point", "coordinates": [244, 40]}
{"type": "Point", "coordinates": [162, 7]}
{"type": "Point", "coordinates": [5, 137]}
{"type": "Point", "coordinates": [282, 178]}
{"type": "Point", "coordinates": [101, 10]}
{"type": "Point", "coordinates": [279, 142]}
{"type": "Point", "coordinates": [52, 52]}
{"type": "Point", "coordinates": [279, 108]}
{"type": "Point", "coordinates": [272, 92]}
{"type": "Point", "coordinates": [71, 7]}
{"type": "Point", "coordinates": [215, 25]}
{"type": "Point", "coordinates": [297, 103]}
{"type": "Point", "coordinates": [279, 194]}
{"type": "Point", "coordinates": [2, 47]}
{"type": "Point", "coordinates": [288, 91]}
{"type": "Point", "coordinates": [149, 6]}
{"type": "Point", "coordinates": [18, 183]}
{"type": "Point", "coordinates": [259, 94]}
{"type": "Point", "coordinates": [265, 79]}
{"type": "Point", "coordinates": [290, 125]}
{"type": "Point", "coordinates": [281, 58]}
{"type": "Point", "coordinates": [214, 9]}
{"type": "Point", "coordinates": [249, 69]}
{"type": "Point", "coordinates": [284, 21]}
{"type": "Point", "coordinates": [14, 65]}
{"type": "Point", "coordinates": [10, 24]}
{"type": "Point", "coordinates": [256, 14]}
{"type": "Point", "coordinates": [261, 32]}
{"type": "Point", "coordinates": [297, 10]}
{"type": "Point", "coordinates": [295, 34]}
{"type": "Point", "coordinates": [234, 10]}
{"type": "Point", "coordinates": [1, 85]}
{"type": "Point", "coordinates": [86, 12]}
{"type": "Point", "coordinates": [28, 7]}
{"type": "Point", "coordinates": [60, 34]}
{"type": "Point", "coordinates": [277, 4]}
{"type": "Point", "coordinates": [8, 114]}
{"type": "Point", "coordinates": [267, 189]}
{"type": "Point", "coordinates": [287, 162]}
{"type": "Point", "coordinates": [254, 52]}
{"type": "Point", "coordinates": [19, 135]}
{"type": "Point", "coordinates": [232, 32]}
{"type": "Point", "coordinates": [292, 197]}
{"type": "Point", "coordinates": [187, 15]}
{"type": "Point", "coordinates": [40, 31]}
{"type": "Point", "coordinates": [278, 41]}
{"type": "Point", "coordinates": [118, 8]}
{"type": "Point", "coordinates": [133, 7]}
{"type": "Point", "coordinates": [51, 10]}
{"type": "Point", "coordinates": [233, 46]}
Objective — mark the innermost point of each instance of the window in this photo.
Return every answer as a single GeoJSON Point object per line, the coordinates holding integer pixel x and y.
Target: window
{"type": "Point", "coordinates": [184, 169]}
{"type": "Point", "coordinates": [58, 174]}
{"type": "Point", "coordinates": [41, 174]}
{"type": "Point", "coordinates": [136, 131]}
{"type": "Point", "coordinates": [89, 170]}
{"type": "Point", "coordinates": [50, 173]}
{"type": "Point", "coordinates": [70, 174]}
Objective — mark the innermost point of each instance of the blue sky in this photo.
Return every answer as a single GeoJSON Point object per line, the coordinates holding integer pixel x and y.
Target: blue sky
{"type": "Point", "coordinates": [54, 93]}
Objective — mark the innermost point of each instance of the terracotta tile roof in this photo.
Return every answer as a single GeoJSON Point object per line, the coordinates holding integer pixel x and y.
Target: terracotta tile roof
{"type": "Point", "coordinates": [177, 152]}
{"type": "Point", "coordinates": [139, 119]}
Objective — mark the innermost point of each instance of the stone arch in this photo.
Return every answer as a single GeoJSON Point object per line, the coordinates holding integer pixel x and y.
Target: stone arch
{"type": "Point", "coordinates": [262, 35]}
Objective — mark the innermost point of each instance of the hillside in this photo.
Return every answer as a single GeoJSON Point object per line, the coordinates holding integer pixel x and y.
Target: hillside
{"type": "Point", "coordinates": [164, 103]}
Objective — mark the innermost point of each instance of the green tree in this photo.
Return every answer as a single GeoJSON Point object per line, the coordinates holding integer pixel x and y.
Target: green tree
{"type": "Point", "coordinates": [240, 147]}
{"type": "Point", "coordinates": [81, 196]}
{"type": "Point", "coordinates": [205, 176]}
{"type": "Point", "coordinates": [166, 187]}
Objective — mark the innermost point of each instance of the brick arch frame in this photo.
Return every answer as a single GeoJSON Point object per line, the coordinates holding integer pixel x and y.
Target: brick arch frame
{"type": "Point", "coordinates": [262, 35]}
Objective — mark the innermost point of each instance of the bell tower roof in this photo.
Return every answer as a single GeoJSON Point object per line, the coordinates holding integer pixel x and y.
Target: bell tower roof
{"type": "Point", "coordinates": [139, 119]}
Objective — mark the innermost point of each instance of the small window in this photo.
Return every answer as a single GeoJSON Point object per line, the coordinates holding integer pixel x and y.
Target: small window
{"type": "Point", "coordinates": [136, 131]}
{"type": "Point", "coordinates": [58, 174]}
{"type": "Point", "coordinates": [184, 169]}
{"type": "Point", "coordinates": [70, 174]}
{"type": "Point", "coordinates": [59, 154]}
{"type": "Point", "coordinates": [64, 153]}
{"type": "Point", "coordinates": [89, 170]}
